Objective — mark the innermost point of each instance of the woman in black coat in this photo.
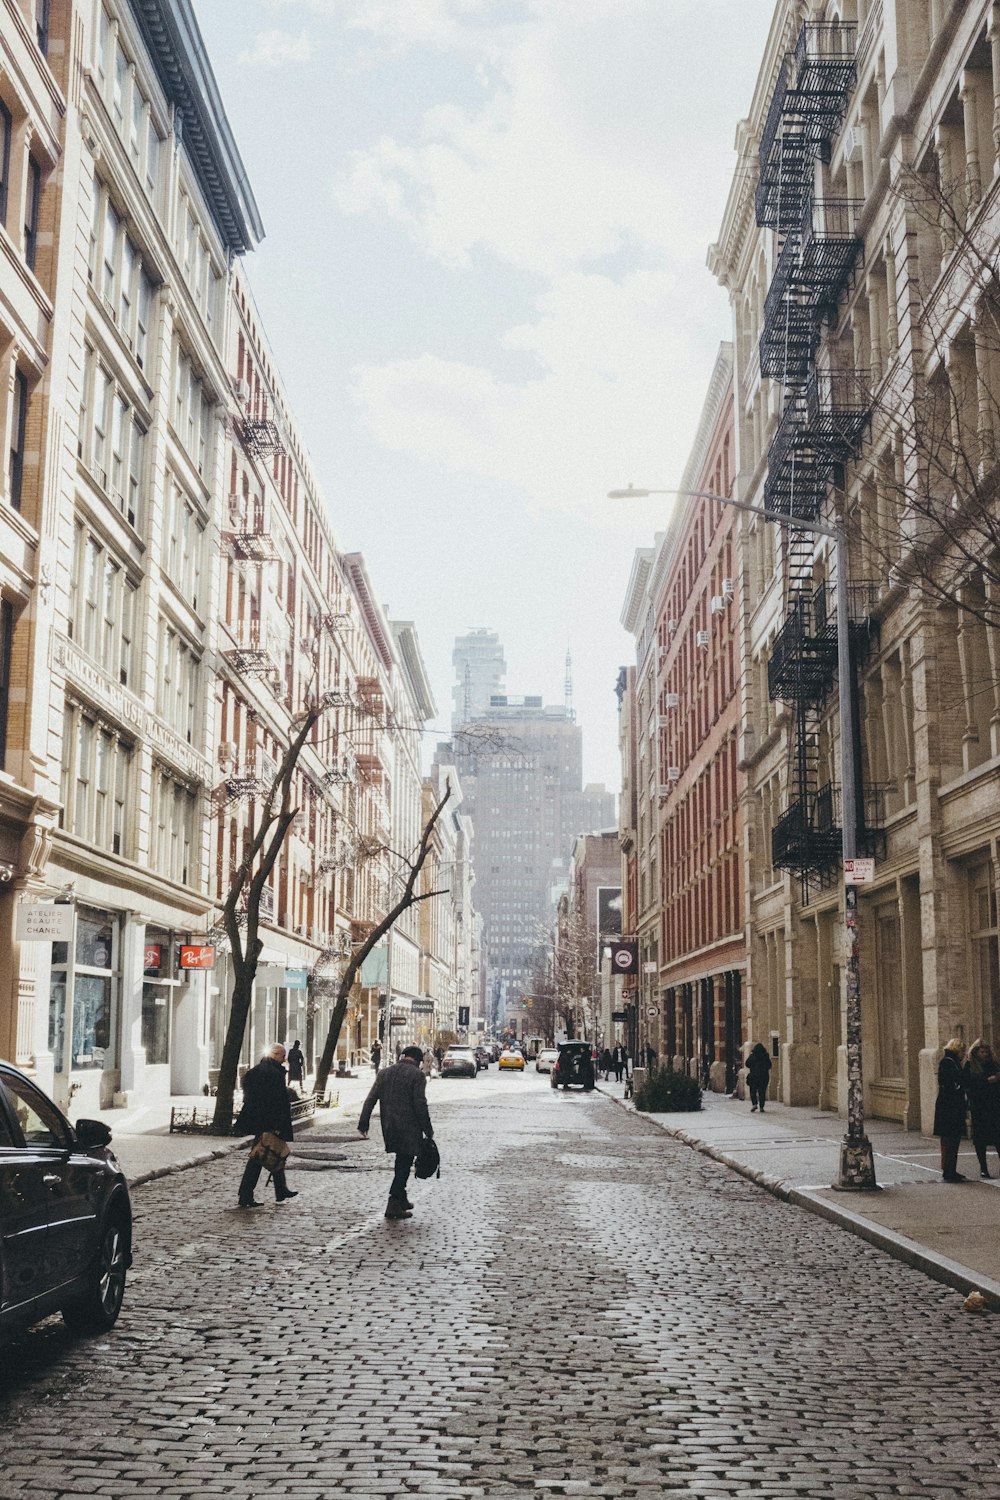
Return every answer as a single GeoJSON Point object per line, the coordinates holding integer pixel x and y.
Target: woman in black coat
{"type": "Point", "coordinates": [266, 1106]}
{"type": "Point", "coordinates": [982, 1083]}
{"type": "Point", "coordinates": [758, 1076]}
{"type": "Point", "coordinates": [950, 1108]}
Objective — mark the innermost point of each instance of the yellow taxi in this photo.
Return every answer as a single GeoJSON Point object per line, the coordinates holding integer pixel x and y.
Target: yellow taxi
{"type": "Point", "coordinates": [510, 1057]}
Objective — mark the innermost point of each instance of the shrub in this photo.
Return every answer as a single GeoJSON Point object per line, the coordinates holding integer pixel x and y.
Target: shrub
{"type": "Point", "coordinates": [667, 1092]}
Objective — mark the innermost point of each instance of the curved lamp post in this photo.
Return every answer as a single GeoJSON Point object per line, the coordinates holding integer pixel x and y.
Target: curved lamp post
{"type": "Point", "coordinates": [857, 1165]}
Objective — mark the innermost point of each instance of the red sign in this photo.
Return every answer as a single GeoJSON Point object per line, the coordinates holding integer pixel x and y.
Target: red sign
{"type": "Point", "coordinates": [151, 956]}
{"type": "Point", "coordinates": [197, 958]}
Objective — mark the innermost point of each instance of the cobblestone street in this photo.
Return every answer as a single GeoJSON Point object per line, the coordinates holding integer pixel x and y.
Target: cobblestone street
{"type": "Point", "coordinates": [580, 1306]}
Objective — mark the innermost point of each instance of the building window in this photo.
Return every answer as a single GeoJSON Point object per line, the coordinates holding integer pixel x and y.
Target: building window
{"type": "Point", "coordinates": [31, 205]}
{"type": "Point", "coordinates": [101, 605]}
{"type": "Point", "coordinates": [96, 772]}
{"type": "Point", "coordinates": [18, 427]}
{"type": "Point", "coordinates": [175, 808]}
{"type": "Point", "coordinates": [112, 439]}
{"type": "Point", "coordinates": [185, 540]}
{"type": "Point", "coordinates": [6, 639]}
{"type": "Point", "coordinates": [6, 132]}
{"type": "Point", "coordinates": [888, 961]}
{"type": "Point", "coordinates": [985, 934]}
{"type": "Point", "coordinates": [42, 26]}
{"type": "Point", "coordinates": [177, 683]}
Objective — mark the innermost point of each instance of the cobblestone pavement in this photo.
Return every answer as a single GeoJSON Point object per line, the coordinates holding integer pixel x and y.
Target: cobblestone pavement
{"type": "Point", "coordinates": [580, 1306]}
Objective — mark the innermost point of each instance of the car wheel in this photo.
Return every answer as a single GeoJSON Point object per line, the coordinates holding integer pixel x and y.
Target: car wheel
{"type": "Point", "coordinates": [97, 1310]}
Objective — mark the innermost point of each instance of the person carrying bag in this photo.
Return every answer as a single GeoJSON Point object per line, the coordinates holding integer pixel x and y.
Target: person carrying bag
{"type": "Point", "coordinates": [267, 1113]}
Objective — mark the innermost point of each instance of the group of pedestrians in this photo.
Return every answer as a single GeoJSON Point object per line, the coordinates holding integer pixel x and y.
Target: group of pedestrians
{"type": "Point", "coordinates": [614, 1060]}
{"type": "Point", "coordinates": [967, 1085]}
{"type": "Point", "coordinates": [400, 1091]}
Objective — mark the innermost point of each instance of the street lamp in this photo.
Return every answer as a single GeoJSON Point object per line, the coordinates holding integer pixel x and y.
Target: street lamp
{"type": "Point", "coordinates": [856, 1171]}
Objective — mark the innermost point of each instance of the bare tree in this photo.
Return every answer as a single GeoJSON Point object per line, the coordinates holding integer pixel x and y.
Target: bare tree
{"type": "Point", "coordinates": [409, 896]}
{"type": "Point", "coordinates": [241, 908]}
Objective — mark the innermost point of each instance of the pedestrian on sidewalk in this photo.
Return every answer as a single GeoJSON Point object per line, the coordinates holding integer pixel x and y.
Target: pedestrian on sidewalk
{"type": "Point", "coordinates": [400, 1092]}
{"type": "Point", "coordinates": [606, 1063]}
{"type": "Point", "coordinates": [982, 1083]}
{"type": "Point", "coordinates": [758, 1076]}
{"type": "Point", "coordinates": [619, 1062]}
{"type": "Point", "coordinates": [267, 1106]}
{"type": "Point", "coordinates": [950, 1108]}
{"type": "Point", "coordinates": [376, 1055]}
{"type": "Point", "coordinates": [296, 1064]}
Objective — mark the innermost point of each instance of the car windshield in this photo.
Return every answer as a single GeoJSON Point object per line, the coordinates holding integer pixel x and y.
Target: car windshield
{"type": "Point", "coordinates": [458, 1052]}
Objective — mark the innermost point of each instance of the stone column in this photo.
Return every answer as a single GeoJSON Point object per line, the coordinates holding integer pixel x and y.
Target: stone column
{"type": "Point", "coordinates": [993, 36]}
{"type": "Point", "coordinates": [973, 173]}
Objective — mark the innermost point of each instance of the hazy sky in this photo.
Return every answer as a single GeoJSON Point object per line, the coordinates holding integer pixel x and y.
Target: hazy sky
{"type": "Point", "coordinates": [484, 282]}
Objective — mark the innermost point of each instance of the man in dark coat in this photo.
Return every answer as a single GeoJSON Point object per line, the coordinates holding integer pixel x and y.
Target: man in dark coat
{"type": "Point", "coordinates": [401, 1095]}
{"type": "Point", "coordinates": [296, 1064]}
{"type": "Point", "coordinates": [266, 1106]}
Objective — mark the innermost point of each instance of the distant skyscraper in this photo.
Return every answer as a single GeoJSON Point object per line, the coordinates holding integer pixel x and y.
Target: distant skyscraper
{"type": "Point", "coordinates": [521, 772]}
{"type": "Point", "coordinates": [479, 673]}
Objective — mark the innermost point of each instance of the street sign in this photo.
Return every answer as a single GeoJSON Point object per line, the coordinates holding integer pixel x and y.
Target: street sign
{"type": "Point", "coordinates": [859, 871]}
{"type": "Point", "coordinates": [197, 958]}
{"type": "Point", "coordinates": [619, 1015]}
{"type": "Point", "coordinates": [463, 1015]}
{"type": "Point", "coordinates": [44, 922]}
{"type": "Point", "coordinates": [650, 968]}
{"type": "Point", "coordinates": [652, 1010]}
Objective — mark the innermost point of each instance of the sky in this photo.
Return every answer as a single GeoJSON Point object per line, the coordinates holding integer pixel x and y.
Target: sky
{"type": "Point", "coordinates": [484, 282]}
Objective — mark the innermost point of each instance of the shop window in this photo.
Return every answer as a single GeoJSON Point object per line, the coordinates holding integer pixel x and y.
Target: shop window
{"type": "Point", "coordinates": [83, 988]}
{"type": "Point", "coordinates": [159, 981]}
{"type": "Point", "coordinates": [888, 962]}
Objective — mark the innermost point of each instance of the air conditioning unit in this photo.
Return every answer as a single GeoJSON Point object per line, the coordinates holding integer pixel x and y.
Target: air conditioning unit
{"type": "Point", "coordinates": [718, 605]}
{"type": "Point", "coordinates": [242, 392]}
{"type": "Point", "coordinates": [728, 588]}
{"type": "Point", "coordinates": [235, 509]}
{"type": "Point", "coordinates": [671, 700]}
{"type": "Point", "coordinates": [662, 658]}
{"type": "Point", "coordinates": [663, 791]}
{"type": "Point", "coordinates": [673, 773]}
{"type": "Point", "coordinates": [701, 640]}
{"type": "Point", "coordinates": [227, 753]}
{"type": "Point", "coordinates": [853, 143]}
{"type": "Point", "coordinates": [671, 626]}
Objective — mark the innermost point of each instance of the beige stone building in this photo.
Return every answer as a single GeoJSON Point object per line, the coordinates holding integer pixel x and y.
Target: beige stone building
{"type": "Point", "coordinates": [171, 591]}
{"type": "Point", "coordinates": [858, 248]}
{"type": "Point", "coordinates": [133, 203]}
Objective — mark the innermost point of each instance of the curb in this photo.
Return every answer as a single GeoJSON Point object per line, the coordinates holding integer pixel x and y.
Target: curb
{"type": "Point", "coordinates": [910, 1252]}
{"type": "Point", "coordinates": [201, 1160]}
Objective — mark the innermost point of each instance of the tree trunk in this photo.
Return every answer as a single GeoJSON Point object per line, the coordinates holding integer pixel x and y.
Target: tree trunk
{"type": "Point", "coordinates": [229, 1062]}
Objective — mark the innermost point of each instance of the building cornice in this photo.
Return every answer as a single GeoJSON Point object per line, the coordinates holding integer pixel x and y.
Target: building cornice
{"type": "Point", "coordinates": [178, 53]}
{"type": "Point", "coordinates": [371, 613]}
{"type": "Point", "coordinates": [408, 644]}
{"type": "Point", "coordinates": [636, 593]}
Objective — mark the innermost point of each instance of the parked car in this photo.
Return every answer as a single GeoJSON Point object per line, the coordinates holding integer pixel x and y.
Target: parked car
{"type": "Point", "coordinates": [545, 1059]}
{"type": "Point", "coordinates": [459, 1062]}
{"type": "Point", "coordinates": [482, 1057]}
{"type": "Point", "coordinates": [65, 1215]}
{"type": "Point", "coordinates": [510, 1057]}
{"type": "Point", "coordinates": [574, 1066]}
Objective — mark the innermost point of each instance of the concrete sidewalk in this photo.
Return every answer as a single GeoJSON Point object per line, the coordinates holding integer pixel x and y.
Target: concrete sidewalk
{"type": "Point", "coordinates": [142, 1141]}
{"type": "Point", "coordinates": [950, 1231]}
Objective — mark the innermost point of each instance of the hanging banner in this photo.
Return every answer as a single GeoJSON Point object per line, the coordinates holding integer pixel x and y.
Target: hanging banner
{"type": "Point", "coordinates": [625, 958]}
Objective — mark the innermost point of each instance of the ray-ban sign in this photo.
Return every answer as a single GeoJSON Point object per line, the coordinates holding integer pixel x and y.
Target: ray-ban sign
{"type": "Point", "coordinates": [197, 958]}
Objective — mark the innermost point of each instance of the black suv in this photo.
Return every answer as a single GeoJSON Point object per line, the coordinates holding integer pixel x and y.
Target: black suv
{"type": "Point", "coordinates": [65, 1215]}
{"type": "Point", "coordinates": [574, 1067]}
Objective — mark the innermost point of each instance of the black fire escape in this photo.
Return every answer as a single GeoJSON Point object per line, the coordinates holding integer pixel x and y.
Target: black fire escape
{"type": "Point", "coordinates": [825, 416]}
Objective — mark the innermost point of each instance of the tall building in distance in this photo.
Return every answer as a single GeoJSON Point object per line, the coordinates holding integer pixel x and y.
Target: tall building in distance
{"type": "Point", "coordinates": [479, 674]}
{"type": "Point", "coordinates": [521, 764]}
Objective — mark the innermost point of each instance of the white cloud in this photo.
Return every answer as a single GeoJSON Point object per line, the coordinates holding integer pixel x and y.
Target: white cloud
{"type": "Point", "coordinates": [584, 168]}
{"type": "Point", "coordinates": [276, 49]}
{"type": "Point", "coordinates": [620, 378]}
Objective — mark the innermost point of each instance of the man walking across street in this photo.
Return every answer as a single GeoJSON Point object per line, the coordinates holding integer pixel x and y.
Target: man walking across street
{"type": "Point", "coordinates": [400, 1091]}
{"type": "Point", "coordinates": [266, 1108]}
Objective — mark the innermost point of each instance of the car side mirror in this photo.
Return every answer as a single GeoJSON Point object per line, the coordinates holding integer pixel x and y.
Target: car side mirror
{"type": "Point", "coordinates": [90, 1133]}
